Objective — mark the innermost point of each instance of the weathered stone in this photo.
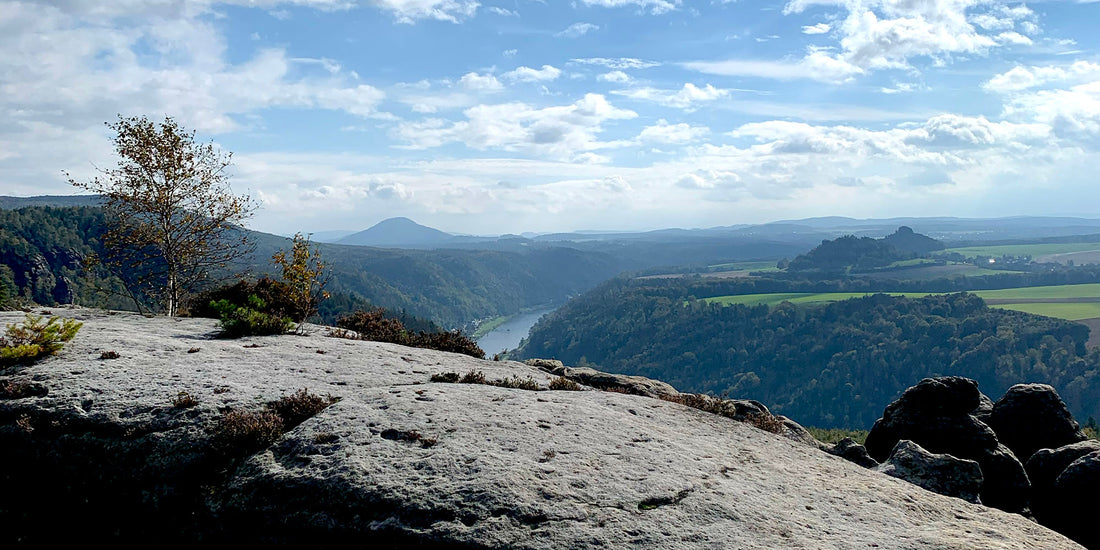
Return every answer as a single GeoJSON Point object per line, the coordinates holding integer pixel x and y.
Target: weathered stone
{"type": "Point", "coordinates": [1030, 417]}
{"type": "Point", "coordinates": [939, 473]}
{"type": "Point", "coordinates": [464, 465]}
{"type": "Point", "coordinates": [936, 414]}
{"type": "Point", "coordinates": [985, 408]}
{"type": "Point", "coordinates": [1073, 492]}
{"type": "Point", "coordinates": [1044, 467]}
{"type": "Point", "coordinates": [636, 385]}
{"type": "Point", "coordinates": [851, 451]}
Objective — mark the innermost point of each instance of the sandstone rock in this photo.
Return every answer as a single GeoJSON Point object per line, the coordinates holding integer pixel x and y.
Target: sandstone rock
{"type": "Point", "coordinates": [853, 452]}
{"type": "Point", "coordinates": [1073, 492]}
{"type": "Point", "coordinates": [401, 462]}
{"type": "Point", "coordinates": [1030, 417]}
{"type": "Point", "coordinates": [939, 473]}
{"type": "Point", "coordinates": [936, 414]}
{"type": "Point", "coordinates": [1044, 467]}
{"type": "Point", "coordinates": [636, 385]}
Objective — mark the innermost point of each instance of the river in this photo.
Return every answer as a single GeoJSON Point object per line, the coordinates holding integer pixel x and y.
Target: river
{"type": "Point", "coordinates": [508, 335]}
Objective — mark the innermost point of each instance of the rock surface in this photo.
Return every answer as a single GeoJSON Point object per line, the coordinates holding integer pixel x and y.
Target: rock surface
{"type": "Point", "coordinates": [939, 473]}
{"type": "Point", "coordinates": [1030, 417]}
{"type": "Point", "coordinates": [463, 466]}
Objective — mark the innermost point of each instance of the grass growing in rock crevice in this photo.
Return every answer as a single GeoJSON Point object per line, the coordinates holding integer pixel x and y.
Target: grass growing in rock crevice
{"type": "Point", "coordinates": [515, 382]}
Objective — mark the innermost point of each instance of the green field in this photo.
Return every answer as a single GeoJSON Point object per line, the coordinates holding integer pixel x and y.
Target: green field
{"type": "Point", "coordinates": [1071, 302]}
{"type": "Point", "coordinates": [1069, 312]}
{"type": "Point", "coordinates": [1038, 292]}
{"type": "Point", "coordinates": [1033, 250]}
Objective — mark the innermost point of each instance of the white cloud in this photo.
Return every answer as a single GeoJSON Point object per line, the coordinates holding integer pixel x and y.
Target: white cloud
{"type": "Point", "coordinates": [617, 63]}
{"type": "Point", "coordinates": [409, 11]}
{"type": "Point", "coordinates": [527, 74]}
{"type": "Point", "coordinates": [478, 82]}
{"type": "Point", "coordinates": [557, 132]}
{"type": "Point", "coordinates": [887, 34]}
{"type": "Point", "coordinates": [502, 11]}
{"type": "Point", "coordinates": [654, 6]}
{"type": "Point", "coordinates": [663, 132]}
{"type": "Point", "coordinates": [1022, 78]}
{"type": "Point", "coordinates": [577, 29]}
{"type": "Point", "coordinates": [816, 66]}
{"type": "Point", "coordinates": [684, 98]}
{"type": "Point", "coordinates": [617, 77]}
{"type": "Point", "coordinates": [819, 28]}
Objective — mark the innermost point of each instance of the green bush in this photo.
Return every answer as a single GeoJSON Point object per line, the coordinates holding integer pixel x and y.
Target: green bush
{"type": "Point", "coordinates": [22, 345]}
{"type": "Point", "coordinates": [251, 319]}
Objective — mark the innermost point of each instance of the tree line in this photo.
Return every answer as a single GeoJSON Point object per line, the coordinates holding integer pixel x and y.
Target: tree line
{"type": "Point", "coordinates": [832, 366]}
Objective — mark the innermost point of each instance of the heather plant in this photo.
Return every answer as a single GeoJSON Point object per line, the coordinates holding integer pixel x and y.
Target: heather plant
{"type": "Point", "coordinates": [299, 406]}
{"type": "Point", "coordinates": [35, 338]}
{"type": "Point", "coordinates": [375, 326]}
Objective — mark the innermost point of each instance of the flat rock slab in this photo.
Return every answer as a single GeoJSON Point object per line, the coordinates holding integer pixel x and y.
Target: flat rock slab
{"type": "Point", "coordinates": [490, 466]}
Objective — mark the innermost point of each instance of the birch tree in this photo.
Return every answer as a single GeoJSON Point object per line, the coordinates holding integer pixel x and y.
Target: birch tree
{"type": "Point", "coordinates": [173, 218]}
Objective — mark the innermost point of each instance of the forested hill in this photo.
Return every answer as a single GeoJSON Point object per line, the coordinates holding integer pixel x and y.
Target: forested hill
{"type": "Point", "coordinates": [42, 250]}
{"type": "Point", "coordinates": [859, 253]}
{"type": "Point", "coordinates": [835, 365]}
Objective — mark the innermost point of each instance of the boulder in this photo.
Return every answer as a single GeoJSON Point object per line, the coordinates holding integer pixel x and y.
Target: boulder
{"type": "Point", "coordinates": [1044, 467]}
{"type": "Point", "coordinates": [937, 415]}
{"type": "Point", "coordinates": [1072, 496]}
{"type": "Point", "coordinates": [853, 452]}
{"type": "Point", "coordinates": [939, 473]}
{"type": "Point", "coordinates": [1030, 417]}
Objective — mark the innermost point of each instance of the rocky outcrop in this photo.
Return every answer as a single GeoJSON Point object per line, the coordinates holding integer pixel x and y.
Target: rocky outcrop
{"type": "Point", "coordinates": [936, 414]}
{"type": "Point", "coordinates": [1030, 417]}
{"type": "Point", "coordinates": [636, 385]}
{"type": "Point", "coordinates": [1070, 509]}
{"type": "Point", "coordinates": [939, 473]}
{"type": "Point", "coordinates": [400, 461]}
{"type": "Point", "coordinates": [853, 452]}
{"type": "Point", "coordinates": [1043, 469]}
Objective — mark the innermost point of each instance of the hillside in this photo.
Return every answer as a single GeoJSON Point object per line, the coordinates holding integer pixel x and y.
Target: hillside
{"type": "Point", "coordinates": [402, 461]}
{"type": "Point", "coordinates": [830, 365]}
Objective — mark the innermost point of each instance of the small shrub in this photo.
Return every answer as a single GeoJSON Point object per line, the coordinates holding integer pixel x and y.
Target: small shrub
{"type": "Point", "coordinates": [473, 377]}
{"type": "Point", "coordinates": [299, 406]}
{"type": "Point", "coordinates": [375, 326]}
{"type": "Point", "coordinates": [221, 389]}
{"type": "Point", "coordinates": [184, 400]}
{"type": "Point", "coordinates": [253, 319]}
{"type": "Point", "coordinates": [453, 341]}
{"type": "Point", "coordinates": [547, 455]}
{"type": "Point", "coordinates": [515, 382]}
{"type": "Point", "coordinates": [34, 339]}
{"type": "Point", "coordinates": [245, 431]}
{"type": "Point", "coordinates": [303, 275]}
{"type": "Point", "coordinates": [194, 350]}
{"type": "Point", "coordinates": [428, 442]}
{"type": "Point", "coordinates": [324, 438]}
{"type": "Point", "coordinates": [19, 389]}
{"type": "Point", "coordinates": [109, 355]}
{"type": "Point", "coordinates": [445, 377]}
{"type": "Point", "coordinates": [564, 384]}
{"type": "Point", "coordinates": [768, 423]}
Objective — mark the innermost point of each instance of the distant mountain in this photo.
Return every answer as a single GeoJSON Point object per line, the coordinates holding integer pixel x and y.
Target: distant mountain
{"type": "Point", "coordinates": [11, 203]}
{"type": "Point", "coordinates": [905, 240]}
{"type": "Point", "coordinates": [328, 236]}
{"type": "Point", "coordinates": [398, 232]}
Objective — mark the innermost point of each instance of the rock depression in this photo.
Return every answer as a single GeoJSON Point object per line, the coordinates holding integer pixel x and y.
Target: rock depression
{"type": "Point", "coordinates": [403, 461]}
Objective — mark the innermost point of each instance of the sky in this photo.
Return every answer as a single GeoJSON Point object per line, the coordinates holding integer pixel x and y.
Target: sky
{"type": "Point", "coordinates": [507, 116]}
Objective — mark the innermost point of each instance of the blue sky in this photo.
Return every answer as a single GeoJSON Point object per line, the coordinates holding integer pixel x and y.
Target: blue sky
{"type": "Point", "coordinates": [526, 115]}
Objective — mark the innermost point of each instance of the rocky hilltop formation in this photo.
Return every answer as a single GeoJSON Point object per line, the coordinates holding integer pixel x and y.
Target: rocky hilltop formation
{"type": "Point", "coordinates": [135, 432]}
